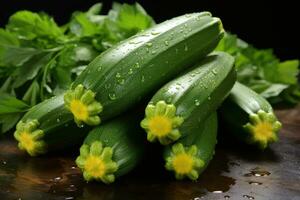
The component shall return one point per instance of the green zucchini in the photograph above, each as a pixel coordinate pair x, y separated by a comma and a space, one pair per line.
189, 99
120, 77
123, 75
56, 132
190, 156
111, 150
250, 116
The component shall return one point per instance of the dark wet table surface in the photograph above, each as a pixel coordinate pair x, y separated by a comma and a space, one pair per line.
236, 172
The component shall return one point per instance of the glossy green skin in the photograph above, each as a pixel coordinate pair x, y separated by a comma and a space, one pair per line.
126, 139
56, 122
201, 90
126, 73
241, 102
204, 136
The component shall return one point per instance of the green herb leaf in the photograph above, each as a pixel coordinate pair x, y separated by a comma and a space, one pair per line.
8, 121
262, 70
16, 56
30, 69
28, 25
287, 72
7, 38
10, 104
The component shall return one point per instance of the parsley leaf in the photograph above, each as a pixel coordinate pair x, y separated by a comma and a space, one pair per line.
262, 71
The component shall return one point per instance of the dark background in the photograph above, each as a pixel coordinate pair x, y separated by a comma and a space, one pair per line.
265, 24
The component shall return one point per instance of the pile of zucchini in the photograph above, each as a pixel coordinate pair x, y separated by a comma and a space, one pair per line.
163, 85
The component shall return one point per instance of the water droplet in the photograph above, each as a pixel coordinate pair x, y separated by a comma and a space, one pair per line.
153, 52
149, 44
257, 172
209, 98
226, 197
112, 96
186, 48
167, 62
121, 81
118, 75
187, 15
155, 32
57, 179
185, 25
137, 65
135, 42
99, 68
4, 162
197, 103
57, 120
143, 79
130, 71
167, 43
214, 71
69, 198
248, 196
254, 183
218, 191
81, 125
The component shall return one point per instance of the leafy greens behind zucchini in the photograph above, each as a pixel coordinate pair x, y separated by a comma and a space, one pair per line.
262, 71
39, 59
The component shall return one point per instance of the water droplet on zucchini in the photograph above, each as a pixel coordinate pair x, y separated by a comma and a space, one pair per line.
137, 65
214, 71
155, 32
121, 81
118, 75
130, 71
112, 96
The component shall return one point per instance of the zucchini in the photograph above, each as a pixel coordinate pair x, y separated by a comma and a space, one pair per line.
189, 99
123, 75
54, 133
250, 116
111, 150
190, 156
111, 82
